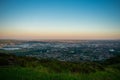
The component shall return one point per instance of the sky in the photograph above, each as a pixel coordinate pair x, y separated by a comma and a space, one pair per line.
59, 19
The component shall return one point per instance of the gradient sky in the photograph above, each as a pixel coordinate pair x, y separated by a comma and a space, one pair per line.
59, 19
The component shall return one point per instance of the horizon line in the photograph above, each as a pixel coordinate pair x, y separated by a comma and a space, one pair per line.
56, 39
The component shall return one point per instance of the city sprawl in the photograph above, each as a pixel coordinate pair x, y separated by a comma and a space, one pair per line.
63, 50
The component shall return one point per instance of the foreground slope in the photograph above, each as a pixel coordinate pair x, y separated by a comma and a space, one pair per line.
27, 68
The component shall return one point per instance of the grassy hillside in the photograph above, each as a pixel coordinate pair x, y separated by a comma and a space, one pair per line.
27, 68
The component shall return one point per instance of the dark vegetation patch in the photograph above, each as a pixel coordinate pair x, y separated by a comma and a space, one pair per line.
51, 64
28, 68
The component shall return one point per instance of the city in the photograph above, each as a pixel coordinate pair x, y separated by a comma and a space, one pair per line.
64, 50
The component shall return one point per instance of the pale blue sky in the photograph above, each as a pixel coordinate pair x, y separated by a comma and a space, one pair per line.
60, 19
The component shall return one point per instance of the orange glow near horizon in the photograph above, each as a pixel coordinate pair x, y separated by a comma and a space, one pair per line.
55, 35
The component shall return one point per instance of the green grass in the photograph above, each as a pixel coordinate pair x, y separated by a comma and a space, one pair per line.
27, 68
20, 73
